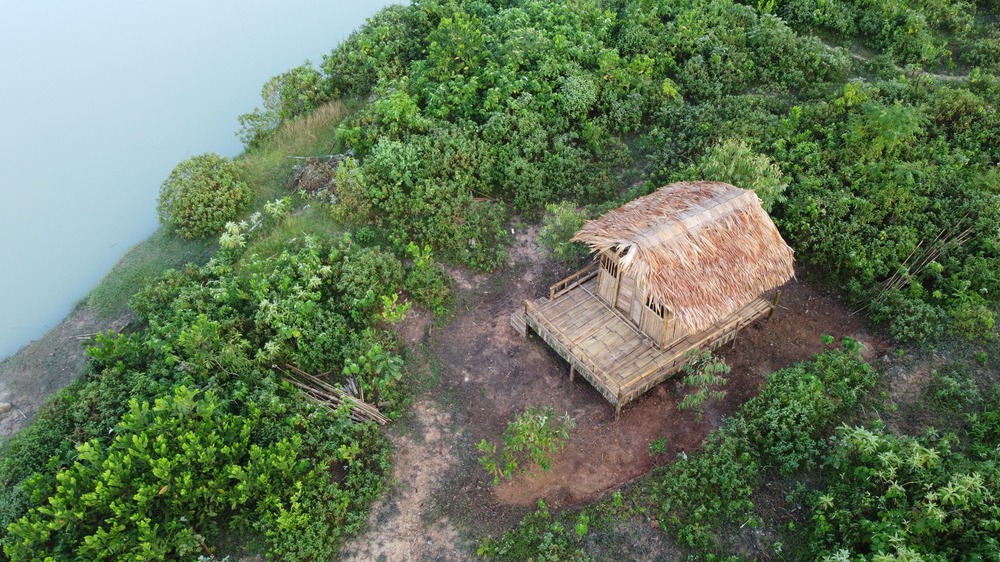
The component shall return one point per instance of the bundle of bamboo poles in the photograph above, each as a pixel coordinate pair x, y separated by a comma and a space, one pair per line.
331, 397
917, 261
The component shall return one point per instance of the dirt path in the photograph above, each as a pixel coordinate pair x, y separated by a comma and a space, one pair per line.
443, 499
402, 525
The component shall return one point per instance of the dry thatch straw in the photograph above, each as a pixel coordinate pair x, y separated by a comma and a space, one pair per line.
702, 249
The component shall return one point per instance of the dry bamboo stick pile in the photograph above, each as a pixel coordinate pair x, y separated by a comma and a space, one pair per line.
915, 262
331, 397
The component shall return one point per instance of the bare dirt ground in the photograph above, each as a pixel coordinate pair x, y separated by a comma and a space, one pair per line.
46, 365
488, 372
398, 527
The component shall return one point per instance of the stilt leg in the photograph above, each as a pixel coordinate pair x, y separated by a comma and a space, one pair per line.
777, 298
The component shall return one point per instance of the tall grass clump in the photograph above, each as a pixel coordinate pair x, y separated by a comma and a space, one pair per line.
268, 167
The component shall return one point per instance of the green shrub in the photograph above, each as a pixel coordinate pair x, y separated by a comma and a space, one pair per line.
702, 372
291, 94
537, 538
560, 223
351, 204
788, 422
710, 488
366, 274
380, 51
534, 435
973, 319
202, 194
734, 162
897, 495
427, 280
154, 492
910, 319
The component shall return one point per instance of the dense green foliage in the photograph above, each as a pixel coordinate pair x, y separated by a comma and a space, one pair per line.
790, 419
294, 474
909, 32
202, 194
908, 498
560, 223
155, 490
734, 162
286, 96
881, 178
713, 487
881, 175
785, 427
867, 494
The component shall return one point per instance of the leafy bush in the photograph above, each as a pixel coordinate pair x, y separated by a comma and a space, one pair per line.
538, 537
713, 487
891, 235
702, 372
426, 280
155, 490
224, 325
291, 94
905, 497
909, 318
910, 31
734, 162
534, 435
365, 274
380, 51
560, 223
788, 421
202, 194
700, 497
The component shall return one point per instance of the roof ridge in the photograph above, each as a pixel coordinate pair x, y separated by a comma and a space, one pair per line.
695, 217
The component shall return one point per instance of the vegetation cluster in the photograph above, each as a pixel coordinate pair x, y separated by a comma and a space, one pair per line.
184, 431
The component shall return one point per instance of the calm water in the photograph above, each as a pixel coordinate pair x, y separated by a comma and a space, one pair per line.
99, 101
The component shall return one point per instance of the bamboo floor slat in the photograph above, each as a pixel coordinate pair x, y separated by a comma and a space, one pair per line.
610, 353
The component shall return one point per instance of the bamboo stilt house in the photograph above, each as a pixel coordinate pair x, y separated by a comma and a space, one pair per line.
682, 268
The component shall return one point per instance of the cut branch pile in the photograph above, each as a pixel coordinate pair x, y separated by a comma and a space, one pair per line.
331, 397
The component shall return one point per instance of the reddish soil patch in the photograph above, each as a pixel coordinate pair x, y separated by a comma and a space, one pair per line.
488, 372
495, 372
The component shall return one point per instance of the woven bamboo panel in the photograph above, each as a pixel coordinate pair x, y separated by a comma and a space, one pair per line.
611, 353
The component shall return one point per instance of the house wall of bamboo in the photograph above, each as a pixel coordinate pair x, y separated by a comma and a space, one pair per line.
622, 292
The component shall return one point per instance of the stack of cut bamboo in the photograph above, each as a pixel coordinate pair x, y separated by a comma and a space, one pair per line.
331, 397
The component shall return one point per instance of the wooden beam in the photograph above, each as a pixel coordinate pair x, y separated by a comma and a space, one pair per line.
777, 297
572, 371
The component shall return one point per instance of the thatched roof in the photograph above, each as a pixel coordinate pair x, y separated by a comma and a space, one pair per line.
702, 249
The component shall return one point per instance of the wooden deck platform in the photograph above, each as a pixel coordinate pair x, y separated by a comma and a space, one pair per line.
607, 349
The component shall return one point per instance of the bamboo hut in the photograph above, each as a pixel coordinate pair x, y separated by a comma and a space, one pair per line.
682, 268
